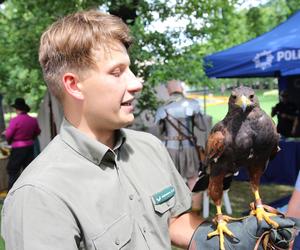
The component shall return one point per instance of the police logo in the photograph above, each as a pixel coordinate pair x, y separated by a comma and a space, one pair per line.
263, 60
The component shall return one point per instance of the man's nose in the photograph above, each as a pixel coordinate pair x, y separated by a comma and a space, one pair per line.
134, 83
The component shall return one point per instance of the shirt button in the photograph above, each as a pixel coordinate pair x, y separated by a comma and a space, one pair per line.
117, 241
131, 197
144, 230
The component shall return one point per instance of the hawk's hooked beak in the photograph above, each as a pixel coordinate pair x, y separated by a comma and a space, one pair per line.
243, 102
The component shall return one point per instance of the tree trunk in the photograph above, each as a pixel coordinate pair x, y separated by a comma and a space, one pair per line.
2, 122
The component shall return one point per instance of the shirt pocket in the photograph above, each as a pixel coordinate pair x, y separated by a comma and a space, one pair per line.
116, 236
164, 199
165, 206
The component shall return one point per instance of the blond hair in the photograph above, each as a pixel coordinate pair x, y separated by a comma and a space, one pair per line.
69, 43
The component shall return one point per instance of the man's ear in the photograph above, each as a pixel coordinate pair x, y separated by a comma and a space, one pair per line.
72, 85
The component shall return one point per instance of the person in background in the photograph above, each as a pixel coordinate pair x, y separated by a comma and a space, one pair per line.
96, 185
21, 134
177, 120
286, 112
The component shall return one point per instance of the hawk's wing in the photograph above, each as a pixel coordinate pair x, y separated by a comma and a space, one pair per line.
215, 145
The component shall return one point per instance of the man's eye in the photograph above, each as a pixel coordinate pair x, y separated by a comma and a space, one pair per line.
116, 73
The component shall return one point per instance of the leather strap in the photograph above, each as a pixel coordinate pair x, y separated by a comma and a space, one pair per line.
191, 137
267, 244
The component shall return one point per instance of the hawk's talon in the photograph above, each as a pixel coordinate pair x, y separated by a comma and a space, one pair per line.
261, 214
221, 229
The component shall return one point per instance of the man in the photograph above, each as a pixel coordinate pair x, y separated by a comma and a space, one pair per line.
96, 185
21, 134
177, 120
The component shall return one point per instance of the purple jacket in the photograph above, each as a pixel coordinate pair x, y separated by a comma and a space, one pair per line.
22, 131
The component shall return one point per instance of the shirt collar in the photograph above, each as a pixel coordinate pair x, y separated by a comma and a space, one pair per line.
89, 148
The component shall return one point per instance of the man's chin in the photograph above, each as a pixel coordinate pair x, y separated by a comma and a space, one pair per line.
128, 122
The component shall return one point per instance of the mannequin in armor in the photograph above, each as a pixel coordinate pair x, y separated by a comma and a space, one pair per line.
176, 120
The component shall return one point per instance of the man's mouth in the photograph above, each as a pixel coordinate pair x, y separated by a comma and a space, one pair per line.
127, 103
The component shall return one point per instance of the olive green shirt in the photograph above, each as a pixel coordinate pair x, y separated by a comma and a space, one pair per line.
78, 193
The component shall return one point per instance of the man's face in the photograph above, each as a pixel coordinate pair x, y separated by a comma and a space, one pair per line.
108, 92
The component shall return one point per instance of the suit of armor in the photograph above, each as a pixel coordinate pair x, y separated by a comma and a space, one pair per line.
184, 114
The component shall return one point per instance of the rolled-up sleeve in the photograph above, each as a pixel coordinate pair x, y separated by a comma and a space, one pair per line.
35, 219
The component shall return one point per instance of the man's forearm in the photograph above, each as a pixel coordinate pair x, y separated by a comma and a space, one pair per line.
182, 228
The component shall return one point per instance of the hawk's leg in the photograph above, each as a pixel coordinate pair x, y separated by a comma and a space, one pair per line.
258, 210
215, 189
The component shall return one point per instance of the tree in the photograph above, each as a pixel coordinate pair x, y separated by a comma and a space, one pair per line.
24, 21
156, 56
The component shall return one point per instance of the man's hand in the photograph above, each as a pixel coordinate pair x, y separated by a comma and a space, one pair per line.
247, 234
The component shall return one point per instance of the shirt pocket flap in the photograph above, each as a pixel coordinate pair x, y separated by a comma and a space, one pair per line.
165, 206
116, 236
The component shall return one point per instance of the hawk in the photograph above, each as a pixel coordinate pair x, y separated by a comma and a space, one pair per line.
246, 137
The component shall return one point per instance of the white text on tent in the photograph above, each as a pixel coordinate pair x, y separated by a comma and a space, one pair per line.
288, 55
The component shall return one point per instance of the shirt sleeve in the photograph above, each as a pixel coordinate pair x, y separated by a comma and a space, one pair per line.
34, 219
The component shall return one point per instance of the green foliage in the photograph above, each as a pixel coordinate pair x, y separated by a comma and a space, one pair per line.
147, 99
293, 5
23, 22
156, 56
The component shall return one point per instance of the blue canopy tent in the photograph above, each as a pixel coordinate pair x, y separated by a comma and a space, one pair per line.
273, 54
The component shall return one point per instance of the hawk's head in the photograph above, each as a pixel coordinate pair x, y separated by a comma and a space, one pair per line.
243, 98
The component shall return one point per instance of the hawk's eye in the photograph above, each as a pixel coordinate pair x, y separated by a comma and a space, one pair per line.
251, 96
233, 97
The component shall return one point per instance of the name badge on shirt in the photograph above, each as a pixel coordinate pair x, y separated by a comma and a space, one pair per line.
164, 195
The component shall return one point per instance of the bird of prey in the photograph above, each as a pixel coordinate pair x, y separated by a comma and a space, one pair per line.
245, 137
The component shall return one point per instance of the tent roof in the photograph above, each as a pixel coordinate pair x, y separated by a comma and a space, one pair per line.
275, 53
